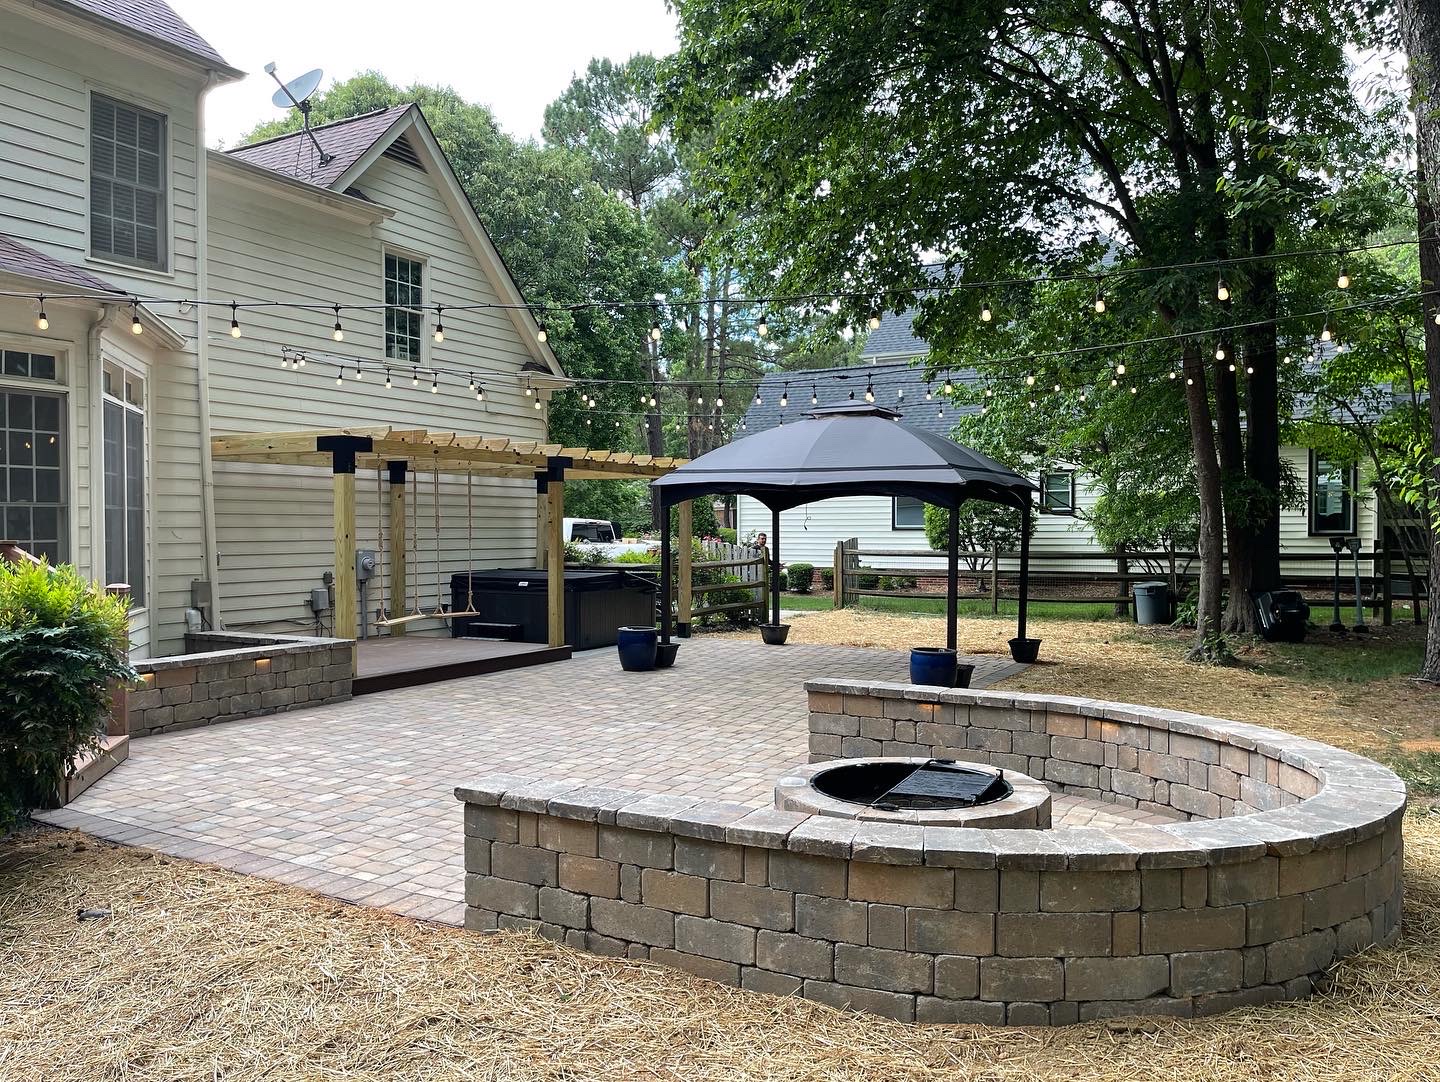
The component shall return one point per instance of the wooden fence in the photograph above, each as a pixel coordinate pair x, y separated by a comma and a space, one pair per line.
747, 563
984, 576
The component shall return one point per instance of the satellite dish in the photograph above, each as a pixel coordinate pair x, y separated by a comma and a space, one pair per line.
296, 94
297, 91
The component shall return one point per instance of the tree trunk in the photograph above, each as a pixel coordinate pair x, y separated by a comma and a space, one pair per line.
1420, 32
1239, 613
1208, 645
1262, 431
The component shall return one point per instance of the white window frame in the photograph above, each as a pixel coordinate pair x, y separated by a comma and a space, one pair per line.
895, 523
1045, 491
166, 247
1349, 495
423, 355
57, 388
139, 598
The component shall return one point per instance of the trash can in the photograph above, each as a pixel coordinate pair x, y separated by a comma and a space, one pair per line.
1282, 615
1152, 603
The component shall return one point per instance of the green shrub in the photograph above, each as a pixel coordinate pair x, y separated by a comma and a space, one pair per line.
827, 578
651, 556
798, 577
867, 580
577, 552
62, 639
727, 535
898, 582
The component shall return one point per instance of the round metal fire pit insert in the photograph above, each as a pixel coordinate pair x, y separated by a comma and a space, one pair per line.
930, 792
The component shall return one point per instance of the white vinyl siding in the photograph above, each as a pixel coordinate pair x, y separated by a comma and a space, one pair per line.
127, 183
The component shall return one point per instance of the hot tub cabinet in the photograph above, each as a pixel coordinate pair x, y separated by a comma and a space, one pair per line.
597, 604
1288, 858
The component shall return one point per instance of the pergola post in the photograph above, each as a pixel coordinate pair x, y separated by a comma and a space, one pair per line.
665, 618
399, 543
1024, 568
555, 575
342, 451
774, 565
685, 543
952, 577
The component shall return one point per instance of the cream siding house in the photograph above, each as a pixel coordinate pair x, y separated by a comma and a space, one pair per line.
106, 195
1062, 539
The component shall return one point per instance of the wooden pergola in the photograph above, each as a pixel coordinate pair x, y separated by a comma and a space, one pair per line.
402, 451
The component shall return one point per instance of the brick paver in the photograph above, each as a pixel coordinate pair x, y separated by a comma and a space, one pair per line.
355, 799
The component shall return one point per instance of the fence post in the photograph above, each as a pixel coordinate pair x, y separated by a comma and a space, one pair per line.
1122, 567
995, 579
837, 583
1387, 595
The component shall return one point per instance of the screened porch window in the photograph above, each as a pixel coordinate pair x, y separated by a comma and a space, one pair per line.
1332, 503
404, 294
124, 408
34, 510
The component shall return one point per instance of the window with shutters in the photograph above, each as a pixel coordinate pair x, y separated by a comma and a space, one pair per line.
127, 184
124, 408
404, 295
34, 503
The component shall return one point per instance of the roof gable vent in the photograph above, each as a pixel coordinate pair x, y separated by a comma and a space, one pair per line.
402, 151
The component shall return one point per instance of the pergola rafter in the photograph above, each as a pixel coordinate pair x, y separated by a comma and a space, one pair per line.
398, 452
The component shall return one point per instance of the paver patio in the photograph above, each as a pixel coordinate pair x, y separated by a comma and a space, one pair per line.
355, 800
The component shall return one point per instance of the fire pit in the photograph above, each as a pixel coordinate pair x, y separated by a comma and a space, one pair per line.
930, 792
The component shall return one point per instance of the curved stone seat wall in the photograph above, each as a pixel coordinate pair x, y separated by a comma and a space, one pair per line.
948, 924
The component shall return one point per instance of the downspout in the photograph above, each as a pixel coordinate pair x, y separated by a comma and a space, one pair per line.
202, 358
95, 381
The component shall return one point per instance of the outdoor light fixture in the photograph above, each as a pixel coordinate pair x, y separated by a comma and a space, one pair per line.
655, 331
42, 322
339, 332
1119, 369
986, 315
1222, 291
234, 321
1219, 353
949, 387
541, 333
439, 323
869, 392
785, 397
1099, 301
762, 328
434, 382
1325, 334
815, 397
135, 327
387, 379
874, 321
1342, 282
1337, 544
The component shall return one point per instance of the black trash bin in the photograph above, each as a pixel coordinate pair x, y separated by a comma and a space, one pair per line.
597, 604
1152, 603
1282, 615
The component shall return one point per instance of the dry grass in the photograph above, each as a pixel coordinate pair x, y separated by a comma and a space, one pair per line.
205, 974
1117, 660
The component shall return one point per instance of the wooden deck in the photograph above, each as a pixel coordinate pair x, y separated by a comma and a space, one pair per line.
384, 664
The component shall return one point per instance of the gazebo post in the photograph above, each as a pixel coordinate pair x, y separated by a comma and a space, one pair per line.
1024, 567
685, 546
952, 577
664, 567
555, 552
398, 542
774, 565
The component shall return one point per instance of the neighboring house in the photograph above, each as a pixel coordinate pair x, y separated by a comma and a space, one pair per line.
106, 192
892, 365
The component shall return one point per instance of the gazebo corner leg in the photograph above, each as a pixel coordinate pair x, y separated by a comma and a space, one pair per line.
774, 566
952, 579
1024, 592
665, 616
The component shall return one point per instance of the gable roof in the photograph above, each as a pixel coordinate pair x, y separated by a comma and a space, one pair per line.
347, 140
896, 335
356, 143
898, 387
24, 261
155, 21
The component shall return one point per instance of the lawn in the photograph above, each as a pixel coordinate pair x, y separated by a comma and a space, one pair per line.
201, 973
933, 606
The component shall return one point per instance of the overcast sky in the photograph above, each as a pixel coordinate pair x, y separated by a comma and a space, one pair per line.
514, 57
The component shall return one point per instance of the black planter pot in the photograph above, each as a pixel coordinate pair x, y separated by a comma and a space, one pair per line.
963, 673
665, 654
1025, 651
774, 634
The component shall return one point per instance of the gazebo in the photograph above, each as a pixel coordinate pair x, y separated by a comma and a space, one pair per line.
851, 449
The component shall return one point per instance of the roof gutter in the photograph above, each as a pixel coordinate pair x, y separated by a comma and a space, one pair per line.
271, 183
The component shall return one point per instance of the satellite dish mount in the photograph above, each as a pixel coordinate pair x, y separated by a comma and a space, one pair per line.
296, 95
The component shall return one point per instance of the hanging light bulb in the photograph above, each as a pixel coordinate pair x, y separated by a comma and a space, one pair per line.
414, 377
852, 396
758, 399
590, 402
1083, 396
1222, 291
42, 321
1189, 381
699, 399
985, 314
472, 381
651, 400
359, 374
1249, 370
928, 394
1325, 334
989, 392
339, 332
1099, 300
785, 397
1057, 388
387, 379
644, 395
439, 323
719, 402
1219, 353
1114, 383
528, 391
655, 331
301, 362
1343, 281
900, 395
1231, 366
135, 327
762, 328
949, 387
1133, 389
874, 321
537, 402
1437, 316
1030, 379
940, 413
434, 382
339, 376
234, 321
1171, 373
869, 392
1119, 369
540, 332
1032, 403
814, 396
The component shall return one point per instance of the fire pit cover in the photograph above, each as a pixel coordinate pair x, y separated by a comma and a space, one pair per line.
936, 783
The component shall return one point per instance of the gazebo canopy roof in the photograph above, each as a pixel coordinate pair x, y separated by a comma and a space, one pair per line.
853, 449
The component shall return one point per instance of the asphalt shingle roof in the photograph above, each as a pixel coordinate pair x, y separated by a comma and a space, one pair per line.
832, 386
152, 19
348, 140
21, 259
896, 335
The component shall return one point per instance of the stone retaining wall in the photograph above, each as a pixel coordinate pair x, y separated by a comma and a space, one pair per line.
950, 924
228, 676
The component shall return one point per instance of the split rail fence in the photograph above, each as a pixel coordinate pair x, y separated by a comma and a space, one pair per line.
746, 567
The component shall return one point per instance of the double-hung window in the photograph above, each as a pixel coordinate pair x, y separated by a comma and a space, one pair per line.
124, 409
404, 317
1332, 503
34, 509
127, 184
1057, 492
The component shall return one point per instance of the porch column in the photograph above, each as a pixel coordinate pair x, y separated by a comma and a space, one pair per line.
952, 577
774, 565
342, 451
399, 579
684, 601
1024, 567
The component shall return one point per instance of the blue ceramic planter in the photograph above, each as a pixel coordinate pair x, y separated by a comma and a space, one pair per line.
932, 665
637, 646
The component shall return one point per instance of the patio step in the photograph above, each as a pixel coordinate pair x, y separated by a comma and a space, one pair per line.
86, 771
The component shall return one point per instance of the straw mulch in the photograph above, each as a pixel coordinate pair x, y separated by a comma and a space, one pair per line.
1117, 660
204, 974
